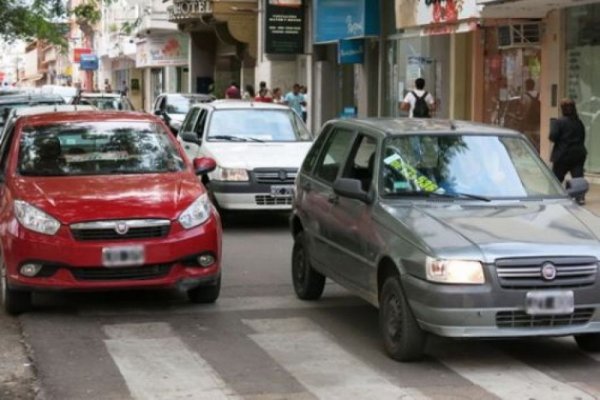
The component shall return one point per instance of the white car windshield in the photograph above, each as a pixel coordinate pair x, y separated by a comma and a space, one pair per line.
97, 148
478, 165
257, 125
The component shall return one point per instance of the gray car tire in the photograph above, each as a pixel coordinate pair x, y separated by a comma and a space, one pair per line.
308, 283
402, 337
15, 302
205, 294
589, 342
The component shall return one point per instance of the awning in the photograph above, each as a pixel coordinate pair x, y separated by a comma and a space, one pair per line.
525, 8
32, 78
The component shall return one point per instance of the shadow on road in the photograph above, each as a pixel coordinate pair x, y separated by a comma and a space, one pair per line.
254, 220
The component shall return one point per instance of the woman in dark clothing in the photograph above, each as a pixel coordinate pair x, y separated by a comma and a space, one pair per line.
568, 135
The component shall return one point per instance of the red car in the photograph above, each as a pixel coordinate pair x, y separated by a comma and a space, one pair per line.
103, 200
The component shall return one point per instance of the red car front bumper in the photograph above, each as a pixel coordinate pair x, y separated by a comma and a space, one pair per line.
77, 265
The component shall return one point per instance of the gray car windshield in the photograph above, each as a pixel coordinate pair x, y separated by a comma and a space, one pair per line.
97, 148
107, 103
465, 165
257, 125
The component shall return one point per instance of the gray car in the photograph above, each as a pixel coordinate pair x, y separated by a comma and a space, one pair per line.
450, 228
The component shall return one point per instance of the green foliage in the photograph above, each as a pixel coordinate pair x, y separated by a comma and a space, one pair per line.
22, 19
87, 13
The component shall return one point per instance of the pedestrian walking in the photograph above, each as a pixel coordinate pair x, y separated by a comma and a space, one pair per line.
418, 102
249, 93
531, 107
277, 96
124, 89
304, 91
295, 99
263, 96
263, 86
107, 86
569, 152
233, 91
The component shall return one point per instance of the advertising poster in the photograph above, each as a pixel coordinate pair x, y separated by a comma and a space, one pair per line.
284, 30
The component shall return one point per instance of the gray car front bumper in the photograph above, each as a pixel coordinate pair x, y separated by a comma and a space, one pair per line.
470, 311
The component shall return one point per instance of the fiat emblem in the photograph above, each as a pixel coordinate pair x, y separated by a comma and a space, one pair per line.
121, 228
548, 271
282, 175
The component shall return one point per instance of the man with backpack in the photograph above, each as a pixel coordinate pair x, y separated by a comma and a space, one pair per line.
418, 102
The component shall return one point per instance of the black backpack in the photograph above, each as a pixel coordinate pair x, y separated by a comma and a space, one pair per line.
421, 109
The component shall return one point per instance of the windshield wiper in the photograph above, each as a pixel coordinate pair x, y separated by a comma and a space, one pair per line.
229, 138
454, 195
253, 139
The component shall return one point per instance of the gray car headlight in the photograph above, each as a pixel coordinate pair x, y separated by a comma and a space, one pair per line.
197, 213
231, 174
454, 271
35, 219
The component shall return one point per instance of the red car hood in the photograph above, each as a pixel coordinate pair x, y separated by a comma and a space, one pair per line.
89, 198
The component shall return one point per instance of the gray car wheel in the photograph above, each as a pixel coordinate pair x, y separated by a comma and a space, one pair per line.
205, 294
589, 342
402, 337
15, 302
308, 283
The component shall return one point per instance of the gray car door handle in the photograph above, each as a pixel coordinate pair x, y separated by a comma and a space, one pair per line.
306, 186
333, 198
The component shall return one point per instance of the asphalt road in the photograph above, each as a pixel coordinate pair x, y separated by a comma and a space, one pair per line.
259, 342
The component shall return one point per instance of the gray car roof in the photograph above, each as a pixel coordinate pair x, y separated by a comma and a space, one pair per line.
396, 126
241, 104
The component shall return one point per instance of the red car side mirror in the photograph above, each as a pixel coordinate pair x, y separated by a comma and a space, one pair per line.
204, 165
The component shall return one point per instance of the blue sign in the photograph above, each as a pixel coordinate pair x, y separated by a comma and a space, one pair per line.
351, 51
88, 62
345, 19
348, 112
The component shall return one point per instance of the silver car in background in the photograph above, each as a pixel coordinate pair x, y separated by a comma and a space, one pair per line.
450, 228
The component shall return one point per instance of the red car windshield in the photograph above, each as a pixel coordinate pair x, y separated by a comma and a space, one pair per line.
97, 148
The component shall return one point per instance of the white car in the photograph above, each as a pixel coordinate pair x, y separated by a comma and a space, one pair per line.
258, 147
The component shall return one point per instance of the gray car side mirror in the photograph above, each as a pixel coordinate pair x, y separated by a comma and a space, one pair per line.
351, 188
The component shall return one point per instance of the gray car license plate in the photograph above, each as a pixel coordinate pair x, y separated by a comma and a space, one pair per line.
282, 191
122, 256
548, 302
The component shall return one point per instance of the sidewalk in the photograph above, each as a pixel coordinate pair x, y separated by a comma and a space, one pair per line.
592, 199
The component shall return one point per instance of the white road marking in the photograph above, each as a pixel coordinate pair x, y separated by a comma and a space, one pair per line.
509, 378
157, 365
225, 304
320, 364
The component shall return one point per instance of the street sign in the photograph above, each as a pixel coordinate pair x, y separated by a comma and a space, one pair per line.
88, 62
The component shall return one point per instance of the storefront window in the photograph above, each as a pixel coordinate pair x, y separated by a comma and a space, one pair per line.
410, 58
511, 79
582, 74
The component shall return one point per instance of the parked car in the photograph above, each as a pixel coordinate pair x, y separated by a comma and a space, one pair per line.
102, 201
173, 107
7, 103
104, 101
66, 92
258, 148
449, 228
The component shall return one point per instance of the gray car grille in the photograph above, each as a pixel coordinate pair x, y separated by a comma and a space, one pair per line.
275, 176
267, 200
526, 273
519, 319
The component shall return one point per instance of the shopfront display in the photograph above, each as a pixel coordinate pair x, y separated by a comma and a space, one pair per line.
582, 74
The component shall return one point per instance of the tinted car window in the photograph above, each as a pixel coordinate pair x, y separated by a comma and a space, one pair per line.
491, 166
188, 124
313, 154
97, 148
334, 153
107, 103
255, 124
361, 163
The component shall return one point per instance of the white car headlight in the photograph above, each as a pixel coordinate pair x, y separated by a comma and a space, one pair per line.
231, 174
454, 271
197, 213
35, 219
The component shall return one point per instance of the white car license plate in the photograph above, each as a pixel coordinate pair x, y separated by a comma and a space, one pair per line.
122, 256
282, 191
550, 302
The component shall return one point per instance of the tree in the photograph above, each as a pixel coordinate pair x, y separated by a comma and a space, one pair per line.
40, 19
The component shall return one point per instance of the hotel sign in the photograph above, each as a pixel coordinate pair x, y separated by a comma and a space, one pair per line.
183, 10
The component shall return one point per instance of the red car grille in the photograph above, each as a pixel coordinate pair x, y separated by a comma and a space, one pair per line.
111, 234
129, 273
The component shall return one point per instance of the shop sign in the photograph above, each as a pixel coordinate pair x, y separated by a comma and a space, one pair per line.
182, 10
77, 52
351, 51
123, 63
284, 30
88, 62
411, 13
162, 51
336, 20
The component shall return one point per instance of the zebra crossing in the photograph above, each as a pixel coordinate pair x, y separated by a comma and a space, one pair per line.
294, 353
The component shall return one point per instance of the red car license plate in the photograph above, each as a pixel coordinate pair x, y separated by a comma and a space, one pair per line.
122, 256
